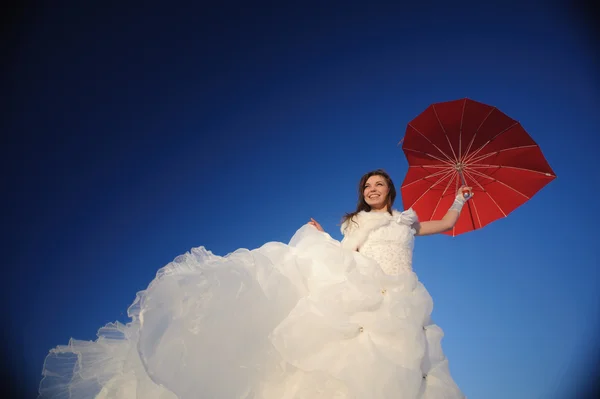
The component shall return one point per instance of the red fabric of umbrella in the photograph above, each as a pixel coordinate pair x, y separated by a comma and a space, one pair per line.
466, 142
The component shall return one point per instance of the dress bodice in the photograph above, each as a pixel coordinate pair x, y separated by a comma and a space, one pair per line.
387, 239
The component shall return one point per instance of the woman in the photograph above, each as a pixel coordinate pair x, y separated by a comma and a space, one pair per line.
317, 318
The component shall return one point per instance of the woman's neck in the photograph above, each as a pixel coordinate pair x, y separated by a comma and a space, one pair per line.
384, 209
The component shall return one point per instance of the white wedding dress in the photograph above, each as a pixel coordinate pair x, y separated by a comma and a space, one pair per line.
314, 319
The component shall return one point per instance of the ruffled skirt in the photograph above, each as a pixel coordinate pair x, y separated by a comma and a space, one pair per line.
305, 320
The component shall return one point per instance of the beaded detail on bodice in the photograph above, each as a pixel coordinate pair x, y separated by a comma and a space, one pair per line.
387, 239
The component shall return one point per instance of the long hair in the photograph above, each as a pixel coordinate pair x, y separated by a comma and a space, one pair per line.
362, 204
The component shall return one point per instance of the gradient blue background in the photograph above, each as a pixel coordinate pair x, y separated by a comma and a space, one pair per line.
138, 133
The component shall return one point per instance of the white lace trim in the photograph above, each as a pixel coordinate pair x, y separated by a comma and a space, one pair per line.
356, 231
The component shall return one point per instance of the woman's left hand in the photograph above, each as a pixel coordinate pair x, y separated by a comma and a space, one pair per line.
465, 192
316, 224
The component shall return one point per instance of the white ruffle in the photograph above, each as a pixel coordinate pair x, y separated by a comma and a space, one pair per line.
306, 320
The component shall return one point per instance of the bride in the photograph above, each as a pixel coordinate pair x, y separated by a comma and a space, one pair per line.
313, 319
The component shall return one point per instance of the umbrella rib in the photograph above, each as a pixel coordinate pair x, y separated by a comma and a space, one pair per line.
430, 142
444, 172
471, 156
462, 118
474, 180
478, 173
441, 196
489, 195
479, 158
495, 203
508, 167
477, 131
445, 134
496, 180
445, 161
430, 166
429, 188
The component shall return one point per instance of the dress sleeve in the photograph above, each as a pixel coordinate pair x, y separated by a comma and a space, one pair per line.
409, 218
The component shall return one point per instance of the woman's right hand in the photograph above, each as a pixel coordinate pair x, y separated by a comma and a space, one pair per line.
316, 224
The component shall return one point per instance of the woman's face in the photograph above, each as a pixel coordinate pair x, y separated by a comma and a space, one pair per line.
375, 192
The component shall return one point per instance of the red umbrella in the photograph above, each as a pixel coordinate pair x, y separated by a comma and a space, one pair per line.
466, 142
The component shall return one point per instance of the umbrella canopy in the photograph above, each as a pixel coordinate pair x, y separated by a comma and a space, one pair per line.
466, 142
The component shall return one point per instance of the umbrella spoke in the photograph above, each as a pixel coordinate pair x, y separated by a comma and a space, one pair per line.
478, 173
432, 166
474, 180
484, 166
460, 128
475, 172
444, 173
445, 134
432, 186
489, 195
482, 157
430, 142
495, 203
442, 196
477, 131
471, 156
444, 161
439, 172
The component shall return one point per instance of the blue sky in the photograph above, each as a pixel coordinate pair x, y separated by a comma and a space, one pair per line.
141, 133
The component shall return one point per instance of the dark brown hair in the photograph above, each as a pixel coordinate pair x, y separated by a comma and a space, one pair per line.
362, 204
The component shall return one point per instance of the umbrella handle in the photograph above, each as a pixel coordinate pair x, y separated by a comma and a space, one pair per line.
466, 194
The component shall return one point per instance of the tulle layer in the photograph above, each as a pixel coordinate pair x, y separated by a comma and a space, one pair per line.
304, 320
109, 367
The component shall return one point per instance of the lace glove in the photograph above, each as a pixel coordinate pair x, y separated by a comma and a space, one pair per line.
464, 194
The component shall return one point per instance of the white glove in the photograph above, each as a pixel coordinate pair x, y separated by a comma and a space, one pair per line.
461, 199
